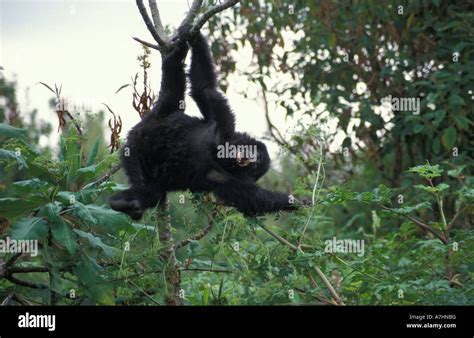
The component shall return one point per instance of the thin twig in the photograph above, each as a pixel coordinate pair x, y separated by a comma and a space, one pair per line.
318, 270
196, 236
279, 238
422, 225
149, 44
108, 174
460, 211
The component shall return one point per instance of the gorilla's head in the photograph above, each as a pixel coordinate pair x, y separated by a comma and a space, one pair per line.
242, 156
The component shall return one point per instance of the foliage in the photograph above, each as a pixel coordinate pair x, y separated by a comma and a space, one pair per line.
394, 202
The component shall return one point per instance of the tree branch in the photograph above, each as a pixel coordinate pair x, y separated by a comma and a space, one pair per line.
460, 211
25, 283
107, 176
149, 44
166, 44
155, 14
422, 225
149, 23
189, 18
168, 255
196, 236
318, 270
211, 12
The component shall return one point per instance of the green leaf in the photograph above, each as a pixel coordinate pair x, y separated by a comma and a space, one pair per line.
73, 155
88, 273
11, 132
467, 194
62, 232
111, 220
29, 228
433, 190
81, 212
461, 121
427, 171
29, 186
449, 138
67, 197
456, 172
87, 270
122, 87
205, 296
87, 173
93, 152
97, 242
418, 128
411, 208
47, 86
13, 207
10, 155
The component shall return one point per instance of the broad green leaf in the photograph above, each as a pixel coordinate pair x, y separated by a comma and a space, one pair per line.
11, 132
29, 228
462, 121
88, 273
97, 242
86, 173
108, 219
83, 213
29, 186
67, 197
13, 207
449, 138
93, 152
62, 232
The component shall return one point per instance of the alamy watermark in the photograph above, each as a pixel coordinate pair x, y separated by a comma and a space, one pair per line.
335, 245
9, 245
409, 104
241, 151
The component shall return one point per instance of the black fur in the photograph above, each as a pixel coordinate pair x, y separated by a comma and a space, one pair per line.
170, 151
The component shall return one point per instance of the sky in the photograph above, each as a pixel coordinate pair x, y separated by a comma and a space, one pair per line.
87, 47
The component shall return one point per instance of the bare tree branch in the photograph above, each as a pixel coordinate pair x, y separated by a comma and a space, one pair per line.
149, 44
155, 14
26, 283
211, 12
149, 23
423, 226
166, 44
28, 269
189, 18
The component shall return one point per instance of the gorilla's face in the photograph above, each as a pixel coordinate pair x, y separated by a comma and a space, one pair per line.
244, 157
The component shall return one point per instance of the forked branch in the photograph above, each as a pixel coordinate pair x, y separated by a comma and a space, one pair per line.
164, 43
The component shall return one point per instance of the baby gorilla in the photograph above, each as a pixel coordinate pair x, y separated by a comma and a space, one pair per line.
170, 151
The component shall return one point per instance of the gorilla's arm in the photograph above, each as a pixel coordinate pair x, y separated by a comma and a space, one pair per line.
173, 82
212, 104
251, 200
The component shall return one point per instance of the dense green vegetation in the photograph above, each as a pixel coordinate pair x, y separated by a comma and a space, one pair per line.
402, 182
